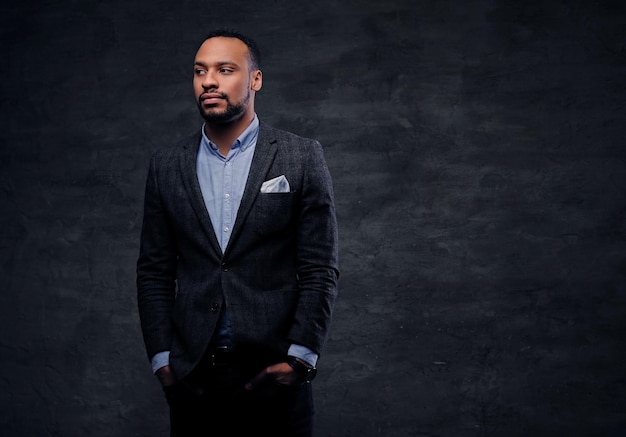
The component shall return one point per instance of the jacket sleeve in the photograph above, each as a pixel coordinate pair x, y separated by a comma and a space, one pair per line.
317, 254
156, 268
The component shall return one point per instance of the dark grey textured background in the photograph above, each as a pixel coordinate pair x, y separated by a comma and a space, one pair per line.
477, 149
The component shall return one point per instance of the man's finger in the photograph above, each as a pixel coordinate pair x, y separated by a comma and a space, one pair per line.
256, 380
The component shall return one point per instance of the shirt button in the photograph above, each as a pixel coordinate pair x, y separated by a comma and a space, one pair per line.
226, 229
226, 196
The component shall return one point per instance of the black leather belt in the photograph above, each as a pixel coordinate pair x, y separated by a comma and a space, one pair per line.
240, 356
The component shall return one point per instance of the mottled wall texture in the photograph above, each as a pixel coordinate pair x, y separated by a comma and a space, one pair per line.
478, 153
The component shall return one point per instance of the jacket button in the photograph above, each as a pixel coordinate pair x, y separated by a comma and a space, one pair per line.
224, 267
214, 307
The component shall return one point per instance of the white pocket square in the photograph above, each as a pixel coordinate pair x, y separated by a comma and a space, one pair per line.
276, 185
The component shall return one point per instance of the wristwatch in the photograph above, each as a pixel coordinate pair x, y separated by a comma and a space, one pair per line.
306, 372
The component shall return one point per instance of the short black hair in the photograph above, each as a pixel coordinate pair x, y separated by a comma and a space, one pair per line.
255, 53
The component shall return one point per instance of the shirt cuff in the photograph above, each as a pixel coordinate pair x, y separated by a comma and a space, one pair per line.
161, 359
304, 353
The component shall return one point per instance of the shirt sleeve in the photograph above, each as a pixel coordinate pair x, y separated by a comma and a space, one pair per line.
304, 353
161, 359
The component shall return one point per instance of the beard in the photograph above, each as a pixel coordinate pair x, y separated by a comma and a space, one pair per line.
231, 112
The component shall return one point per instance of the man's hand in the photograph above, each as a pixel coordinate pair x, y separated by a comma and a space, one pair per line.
166, 376
282, 373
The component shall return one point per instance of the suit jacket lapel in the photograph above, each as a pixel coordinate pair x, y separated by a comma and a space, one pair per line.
264, 153
192, 186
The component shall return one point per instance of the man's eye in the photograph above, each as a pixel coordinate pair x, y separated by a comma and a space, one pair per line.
226, 70
199, 71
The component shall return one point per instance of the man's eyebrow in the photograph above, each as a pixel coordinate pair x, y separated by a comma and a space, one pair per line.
219, 64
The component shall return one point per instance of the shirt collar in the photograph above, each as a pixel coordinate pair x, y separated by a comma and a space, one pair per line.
247, 138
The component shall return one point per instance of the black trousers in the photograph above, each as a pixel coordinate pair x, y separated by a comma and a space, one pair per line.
212, 400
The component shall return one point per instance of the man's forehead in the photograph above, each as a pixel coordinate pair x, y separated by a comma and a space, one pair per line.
223, 46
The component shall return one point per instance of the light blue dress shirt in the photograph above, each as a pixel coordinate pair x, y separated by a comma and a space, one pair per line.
222, 182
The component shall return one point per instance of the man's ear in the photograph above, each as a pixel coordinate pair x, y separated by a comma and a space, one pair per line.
257, 80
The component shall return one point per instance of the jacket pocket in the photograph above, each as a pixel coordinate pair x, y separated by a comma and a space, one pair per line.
273, 212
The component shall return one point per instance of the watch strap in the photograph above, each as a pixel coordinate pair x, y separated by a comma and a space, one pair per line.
306, 372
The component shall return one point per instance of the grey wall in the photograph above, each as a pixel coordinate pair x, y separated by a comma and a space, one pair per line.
477, 150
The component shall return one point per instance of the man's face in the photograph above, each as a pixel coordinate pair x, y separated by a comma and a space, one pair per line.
223, 84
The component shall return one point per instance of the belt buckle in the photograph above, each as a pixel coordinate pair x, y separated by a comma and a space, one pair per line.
218, 356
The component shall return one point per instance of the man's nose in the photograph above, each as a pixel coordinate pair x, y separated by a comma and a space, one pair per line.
209, 80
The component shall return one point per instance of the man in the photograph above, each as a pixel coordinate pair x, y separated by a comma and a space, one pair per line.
237, 272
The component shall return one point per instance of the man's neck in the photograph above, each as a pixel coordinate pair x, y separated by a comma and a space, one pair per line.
223, 135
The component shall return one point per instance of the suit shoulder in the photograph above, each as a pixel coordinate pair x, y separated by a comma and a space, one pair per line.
288, 138
182, 145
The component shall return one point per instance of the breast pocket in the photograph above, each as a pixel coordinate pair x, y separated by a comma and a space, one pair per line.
273, 212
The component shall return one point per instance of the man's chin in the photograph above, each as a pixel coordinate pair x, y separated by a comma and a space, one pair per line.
220, 117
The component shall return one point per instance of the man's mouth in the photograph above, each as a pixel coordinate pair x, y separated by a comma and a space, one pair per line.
211, 98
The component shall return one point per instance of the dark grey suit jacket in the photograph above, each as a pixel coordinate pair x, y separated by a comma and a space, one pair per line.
278, 275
